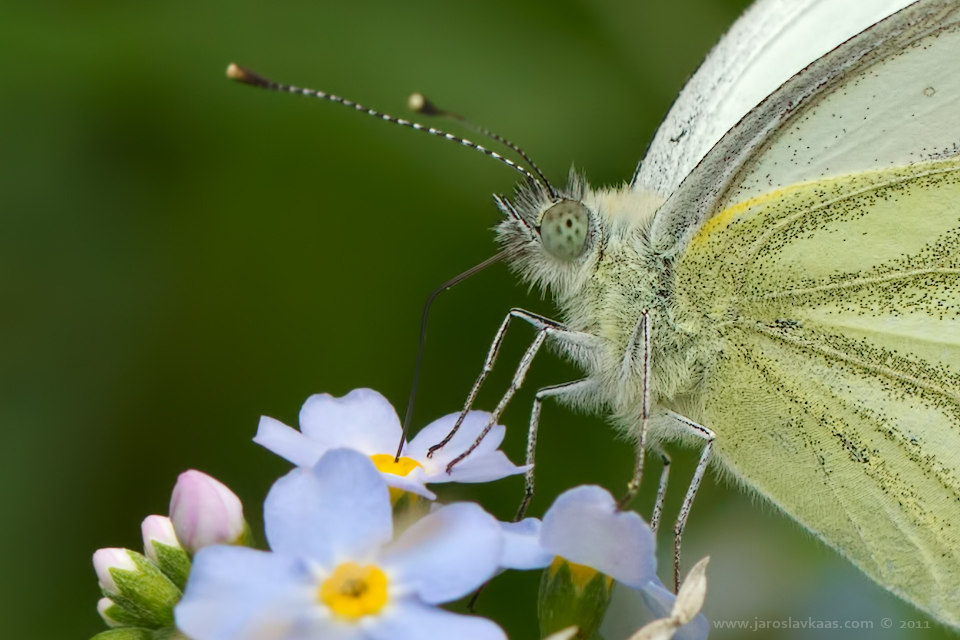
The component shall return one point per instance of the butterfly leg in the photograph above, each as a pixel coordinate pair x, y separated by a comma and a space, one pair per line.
708, 437
567, 339
661, 492
637, 356
492, 354
636, 359
518, 377
568, 390
570, 340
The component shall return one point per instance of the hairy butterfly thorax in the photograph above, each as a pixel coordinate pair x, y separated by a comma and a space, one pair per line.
590, 249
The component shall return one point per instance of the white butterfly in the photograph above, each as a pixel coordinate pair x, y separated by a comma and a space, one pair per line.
783, 283
780, 283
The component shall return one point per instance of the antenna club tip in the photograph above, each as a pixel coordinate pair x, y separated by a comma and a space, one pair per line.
235, 72
418, 103
241, 74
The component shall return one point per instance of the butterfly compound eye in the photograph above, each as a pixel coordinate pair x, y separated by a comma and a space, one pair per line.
563, 229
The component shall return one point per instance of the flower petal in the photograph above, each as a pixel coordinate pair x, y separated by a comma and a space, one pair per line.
412, 482
484, 467
413, 620
473, 424
340, 508
521, 545
447, 554
288, 443
659, 600
235, 593
363, 420
584, 526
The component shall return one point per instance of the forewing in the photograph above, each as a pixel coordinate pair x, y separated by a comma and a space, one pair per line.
773, 40
831, 315
888, 97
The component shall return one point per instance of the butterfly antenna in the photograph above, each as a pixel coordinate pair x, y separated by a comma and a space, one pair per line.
421, 104
423, 336
238, 73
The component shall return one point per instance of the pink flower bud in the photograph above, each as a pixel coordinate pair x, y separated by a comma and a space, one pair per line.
205, 512
102, 606
159, 529
106, 559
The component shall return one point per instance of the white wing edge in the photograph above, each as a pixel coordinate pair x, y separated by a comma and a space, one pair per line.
765, 47
693, 202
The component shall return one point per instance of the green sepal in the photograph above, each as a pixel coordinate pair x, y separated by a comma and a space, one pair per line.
134, 633
246, 538
169, 633
125, 633
565, 602
145, 592
174, 562
125, 617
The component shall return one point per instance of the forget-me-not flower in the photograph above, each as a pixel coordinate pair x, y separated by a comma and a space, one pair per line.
585, 529
334, 570
365, 421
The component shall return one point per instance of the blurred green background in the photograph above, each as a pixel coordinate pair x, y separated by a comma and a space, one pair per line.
180, 254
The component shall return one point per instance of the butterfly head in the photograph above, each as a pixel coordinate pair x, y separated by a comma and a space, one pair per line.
550, 240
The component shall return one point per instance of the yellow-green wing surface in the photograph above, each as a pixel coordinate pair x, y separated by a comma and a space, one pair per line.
834, 310
818, 276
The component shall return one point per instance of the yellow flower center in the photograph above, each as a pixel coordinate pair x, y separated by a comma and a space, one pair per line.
387, 463
354, 591
580, 574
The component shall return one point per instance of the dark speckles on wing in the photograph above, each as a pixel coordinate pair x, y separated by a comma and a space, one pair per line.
836, 306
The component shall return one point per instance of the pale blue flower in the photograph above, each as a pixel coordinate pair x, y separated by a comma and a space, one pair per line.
335, 572
365, 421
584, 526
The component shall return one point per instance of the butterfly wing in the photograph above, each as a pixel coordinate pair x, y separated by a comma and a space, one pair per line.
820, 270
886, 98
773, 40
